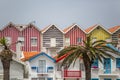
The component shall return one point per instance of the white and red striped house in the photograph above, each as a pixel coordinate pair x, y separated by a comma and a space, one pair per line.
28, 34
31, 37
74, 35
11, 33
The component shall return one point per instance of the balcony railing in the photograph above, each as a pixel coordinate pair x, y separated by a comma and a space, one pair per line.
76, 74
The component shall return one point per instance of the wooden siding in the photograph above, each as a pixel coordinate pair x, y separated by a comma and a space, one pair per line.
75, 33
100, 34
27, 34
115, 37
53, 32
13, 33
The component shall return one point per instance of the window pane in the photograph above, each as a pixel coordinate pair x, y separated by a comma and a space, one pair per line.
95, 64
67, 41
117, 62
8, 40
42, 66
53, 42
34, 41
22, 40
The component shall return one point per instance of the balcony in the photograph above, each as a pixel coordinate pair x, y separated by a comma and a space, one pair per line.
71, 74
108, 73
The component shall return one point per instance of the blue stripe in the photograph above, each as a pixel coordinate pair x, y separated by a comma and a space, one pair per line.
42, 54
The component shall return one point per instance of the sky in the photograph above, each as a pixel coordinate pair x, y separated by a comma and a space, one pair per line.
62, 13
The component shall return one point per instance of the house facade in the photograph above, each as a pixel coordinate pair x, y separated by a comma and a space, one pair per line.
98, 32
115, 35
74, 35
108, 70
52, 40
41, 66
11, 33
40, 51
16, 70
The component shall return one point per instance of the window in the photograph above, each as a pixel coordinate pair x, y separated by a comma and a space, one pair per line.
67, 41
59, 68
82, 68
108, 39
117, 62
53, 42
95, 64
34, 68
49, 78
94, 39
33, 41
118, 35
22, 40
79, 40
50, 69
42, 66
8, 40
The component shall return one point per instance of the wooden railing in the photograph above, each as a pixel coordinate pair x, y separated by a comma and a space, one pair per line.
68, 73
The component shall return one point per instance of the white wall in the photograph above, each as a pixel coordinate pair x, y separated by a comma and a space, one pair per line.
16, 70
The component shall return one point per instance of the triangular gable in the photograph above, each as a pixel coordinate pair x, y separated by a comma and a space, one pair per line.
9, 24
46, 28
114, 29
30, 24
90, 29
70, 27
42, 54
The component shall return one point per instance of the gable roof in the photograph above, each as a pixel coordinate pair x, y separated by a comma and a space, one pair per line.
46, 28
22, 27
114, 29
28, 55
90, 29
10, 24
42, 54
70, 27
32, 55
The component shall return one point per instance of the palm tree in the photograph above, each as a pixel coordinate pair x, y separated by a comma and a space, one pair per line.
6, 57
89, 52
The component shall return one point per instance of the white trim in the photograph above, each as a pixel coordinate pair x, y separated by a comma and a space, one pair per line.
8, 26
115, 30
74, 26
101, 27
50, 27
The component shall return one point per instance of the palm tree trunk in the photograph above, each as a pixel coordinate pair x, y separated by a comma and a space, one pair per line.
6, 69
87, 65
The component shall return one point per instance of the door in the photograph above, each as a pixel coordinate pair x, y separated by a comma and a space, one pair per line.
42, 66
107, 66
49, 78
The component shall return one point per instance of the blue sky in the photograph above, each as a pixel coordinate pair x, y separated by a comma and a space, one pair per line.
62, 13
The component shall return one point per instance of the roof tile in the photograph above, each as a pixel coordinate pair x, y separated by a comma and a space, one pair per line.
113, 29
28, 55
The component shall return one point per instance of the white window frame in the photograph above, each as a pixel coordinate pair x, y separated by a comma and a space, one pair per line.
94, 39
53, 42
67, 41
22, 40
79, 40
33, 43
42, 66
9, 40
